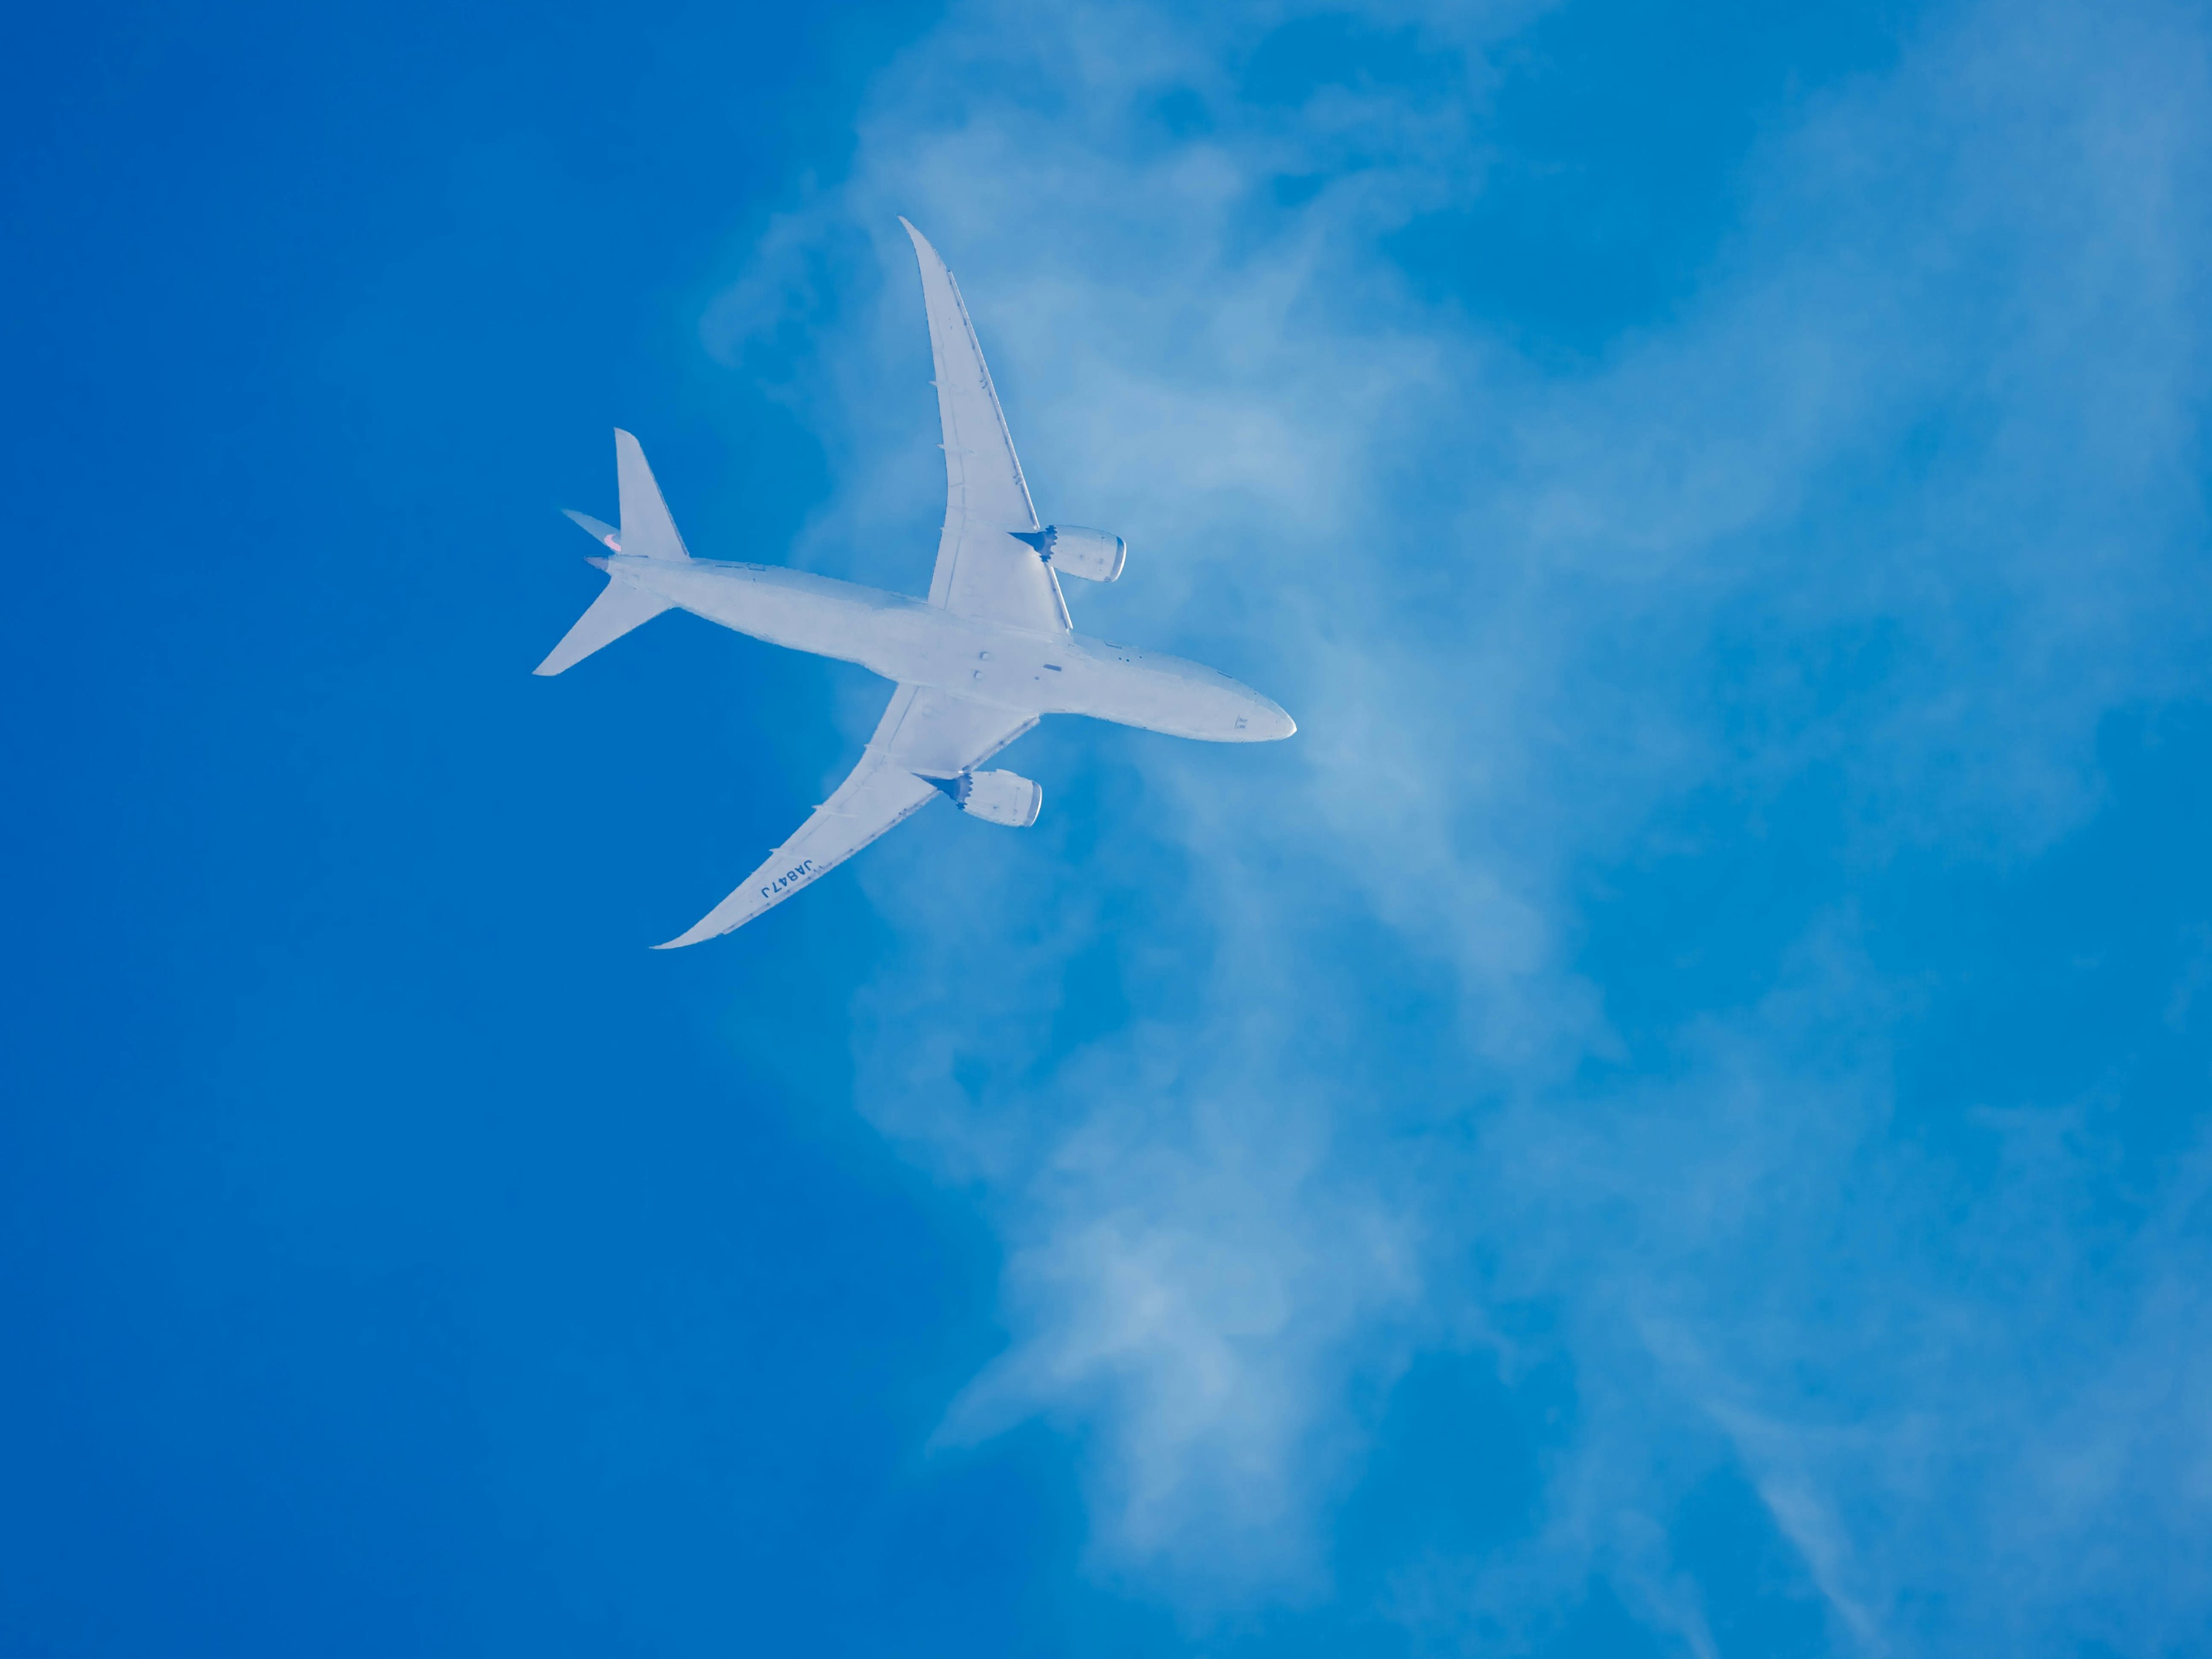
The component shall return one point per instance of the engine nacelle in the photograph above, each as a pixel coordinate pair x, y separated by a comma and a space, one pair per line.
1090, 554
1005, 798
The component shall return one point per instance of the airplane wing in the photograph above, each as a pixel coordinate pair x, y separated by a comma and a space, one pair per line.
981, 570
924, 734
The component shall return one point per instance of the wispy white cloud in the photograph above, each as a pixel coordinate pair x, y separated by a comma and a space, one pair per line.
1937, 400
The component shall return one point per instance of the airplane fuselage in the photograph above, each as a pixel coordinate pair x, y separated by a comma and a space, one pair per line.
911, 642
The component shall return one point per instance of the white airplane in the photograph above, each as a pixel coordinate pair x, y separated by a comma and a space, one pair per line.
989, 653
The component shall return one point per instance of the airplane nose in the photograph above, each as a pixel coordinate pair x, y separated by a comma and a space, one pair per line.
1269, 722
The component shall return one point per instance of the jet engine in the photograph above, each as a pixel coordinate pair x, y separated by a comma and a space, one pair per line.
1090, 554
1005, 798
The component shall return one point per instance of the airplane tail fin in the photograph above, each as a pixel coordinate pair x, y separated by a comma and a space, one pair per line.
648, 531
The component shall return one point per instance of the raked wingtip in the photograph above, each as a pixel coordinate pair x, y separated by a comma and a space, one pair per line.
707, 927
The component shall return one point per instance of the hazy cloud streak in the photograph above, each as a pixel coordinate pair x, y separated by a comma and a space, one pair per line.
1934, 410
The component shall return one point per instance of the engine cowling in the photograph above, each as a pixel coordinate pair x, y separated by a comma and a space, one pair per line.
1005, 798
1093, 555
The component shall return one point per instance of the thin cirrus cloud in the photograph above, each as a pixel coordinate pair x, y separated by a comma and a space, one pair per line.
1293, 1067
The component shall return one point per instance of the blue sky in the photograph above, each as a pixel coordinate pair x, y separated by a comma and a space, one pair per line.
1670, 1120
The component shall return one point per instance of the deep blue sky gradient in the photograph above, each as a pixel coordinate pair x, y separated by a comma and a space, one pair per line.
395, 1256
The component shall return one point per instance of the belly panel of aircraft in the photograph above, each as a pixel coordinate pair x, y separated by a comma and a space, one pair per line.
916, 643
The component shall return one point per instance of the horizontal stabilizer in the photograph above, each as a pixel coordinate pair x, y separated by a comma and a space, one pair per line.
598, 532
617, 609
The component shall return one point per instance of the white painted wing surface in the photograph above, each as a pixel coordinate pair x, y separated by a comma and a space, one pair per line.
981, 570
925, 734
